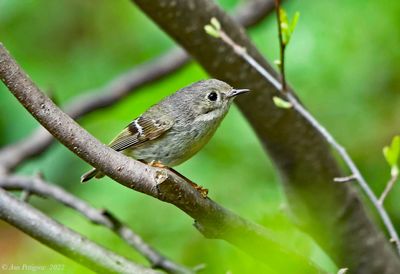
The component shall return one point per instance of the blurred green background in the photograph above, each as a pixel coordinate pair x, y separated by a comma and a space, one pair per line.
343, 60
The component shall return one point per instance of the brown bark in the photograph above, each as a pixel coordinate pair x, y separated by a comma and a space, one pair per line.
33, 145
103, 217
332, 213
211, 219
64, 240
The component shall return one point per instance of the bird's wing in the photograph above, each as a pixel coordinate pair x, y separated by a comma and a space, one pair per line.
141, 130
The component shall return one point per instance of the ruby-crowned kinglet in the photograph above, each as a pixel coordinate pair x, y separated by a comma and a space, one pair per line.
176, 128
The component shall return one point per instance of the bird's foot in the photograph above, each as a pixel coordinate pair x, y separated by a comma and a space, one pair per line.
157, 164
203, 191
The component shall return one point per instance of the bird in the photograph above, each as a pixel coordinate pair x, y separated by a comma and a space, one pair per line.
176, 128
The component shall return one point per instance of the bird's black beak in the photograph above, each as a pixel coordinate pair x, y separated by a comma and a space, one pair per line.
236, 92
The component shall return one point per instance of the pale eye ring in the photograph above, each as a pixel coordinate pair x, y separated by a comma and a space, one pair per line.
212, 96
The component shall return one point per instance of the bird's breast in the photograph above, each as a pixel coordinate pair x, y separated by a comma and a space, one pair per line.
177, 145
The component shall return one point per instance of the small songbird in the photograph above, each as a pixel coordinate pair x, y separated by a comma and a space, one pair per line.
176, 128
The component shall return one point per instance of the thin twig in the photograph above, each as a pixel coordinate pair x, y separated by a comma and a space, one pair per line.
118, 88
212, 220
64, 240
25, 195
282, 45
389, 186
100, 217
344, 179
323, 131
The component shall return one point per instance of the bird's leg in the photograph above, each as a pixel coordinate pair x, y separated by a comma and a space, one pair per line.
203, 191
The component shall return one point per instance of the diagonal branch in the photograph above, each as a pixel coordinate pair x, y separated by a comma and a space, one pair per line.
123, 85
356, 174
101, 217
13, 155
333, 215
211, 219
63, 239
393, 178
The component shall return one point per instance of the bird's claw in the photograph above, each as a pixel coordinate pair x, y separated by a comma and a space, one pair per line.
201, 190
157, 164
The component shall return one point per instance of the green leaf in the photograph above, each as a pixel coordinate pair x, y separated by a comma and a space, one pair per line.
295, 19
284, 24
387, 154
394, 171
286, 27
210, 30
392, 152
280, 103
277, 62
283, 15
215, 23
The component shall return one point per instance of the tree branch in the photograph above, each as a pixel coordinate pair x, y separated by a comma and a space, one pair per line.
211, 219
11, 156
64, 240
393, 178
321, 129
333, 214
92, 100
100, 217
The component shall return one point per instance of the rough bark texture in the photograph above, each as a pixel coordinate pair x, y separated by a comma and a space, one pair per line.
64, 240
37, 186
212, 220
120, 87
332, 213
33, 145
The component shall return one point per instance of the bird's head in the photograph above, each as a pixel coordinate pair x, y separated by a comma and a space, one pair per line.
210, 99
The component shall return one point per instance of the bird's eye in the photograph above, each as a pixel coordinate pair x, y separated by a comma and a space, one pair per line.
212, 96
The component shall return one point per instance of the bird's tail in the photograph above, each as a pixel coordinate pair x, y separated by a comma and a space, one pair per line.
90, 174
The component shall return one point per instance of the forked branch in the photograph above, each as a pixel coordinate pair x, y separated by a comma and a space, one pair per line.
211, 219
37, 186
118, 88
356, 174
64, 240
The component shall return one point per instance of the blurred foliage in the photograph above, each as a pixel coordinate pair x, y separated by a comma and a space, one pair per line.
343, 61
392, 154
287, 25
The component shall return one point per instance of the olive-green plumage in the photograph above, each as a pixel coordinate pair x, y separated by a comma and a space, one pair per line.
176, 128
